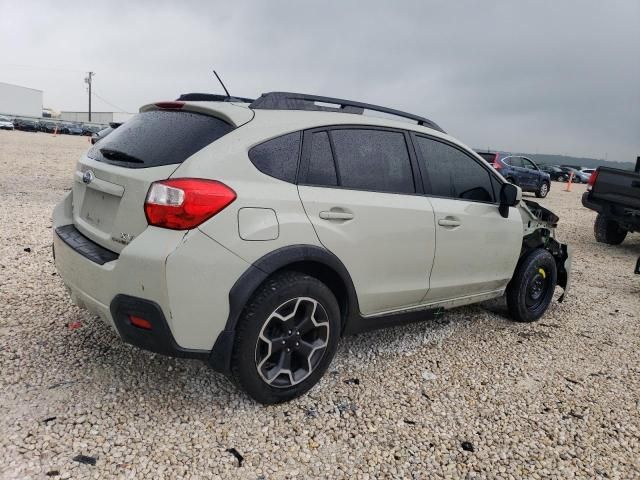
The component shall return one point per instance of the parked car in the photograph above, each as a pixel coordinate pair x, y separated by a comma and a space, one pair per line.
255, 235
90, 129
72, 129
42, 124
588, 171
104, 132
62, 127
520, 171
556, 173
615, 195
578, 176
25, 125
6, 123
48, 126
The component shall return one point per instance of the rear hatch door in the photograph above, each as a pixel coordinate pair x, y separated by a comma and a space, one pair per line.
113, 178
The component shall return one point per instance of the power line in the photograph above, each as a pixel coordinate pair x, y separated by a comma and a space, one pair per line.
88, 81
95, 94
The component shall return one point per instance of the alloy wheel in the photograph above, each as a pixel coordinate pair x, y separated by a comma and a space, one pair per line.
543, 190
292, 341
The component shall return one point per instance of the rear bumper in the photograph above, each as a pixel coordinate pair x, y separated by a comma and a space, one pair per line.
179, 280
158, 338
588, 203
628, 217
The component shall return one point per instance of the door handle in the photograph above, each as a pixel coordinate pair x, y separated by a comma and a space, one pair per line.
336, 215
449, 222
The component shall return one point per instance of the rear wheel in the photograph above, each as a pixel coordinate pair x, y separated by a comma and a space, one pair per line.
286, 338
543, 190
607, 230
530, 291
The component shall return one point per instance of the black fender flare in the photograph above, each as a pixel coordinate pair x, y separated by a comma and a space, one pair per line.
257, 273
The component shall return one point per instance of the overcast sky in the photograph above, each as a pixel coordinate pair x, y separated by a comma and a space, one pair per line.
539, 76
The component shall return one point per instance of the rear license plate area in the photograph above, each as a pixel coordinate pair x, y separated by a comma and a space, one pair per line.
99, 209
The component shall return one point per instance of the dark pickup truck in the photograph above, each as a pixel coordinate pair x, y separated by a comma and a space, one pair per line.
615, 195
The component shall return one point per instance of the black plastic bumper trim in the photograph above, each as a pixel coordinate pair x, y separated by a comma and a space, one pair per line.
159, 339
70, 235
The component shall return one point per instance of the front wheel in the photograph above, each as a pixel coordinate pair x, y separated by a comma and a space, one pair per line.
543, 190
530, 291
286, 338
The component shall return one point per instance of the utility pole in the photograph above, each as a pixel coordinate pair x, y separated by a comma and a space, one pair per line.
87, 80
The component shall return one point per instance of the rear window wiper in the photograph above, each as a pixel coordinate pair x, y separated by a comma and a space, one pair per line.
118, 156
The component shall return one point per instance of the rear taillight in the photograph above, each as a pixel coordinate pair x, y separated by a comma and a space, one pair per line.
184, 203
592, 179
496, 165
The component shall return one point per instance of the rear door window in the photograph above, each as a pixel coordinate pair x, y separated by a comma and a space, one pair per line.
516, 162
375, 160
159, 137
322, 170
452, 173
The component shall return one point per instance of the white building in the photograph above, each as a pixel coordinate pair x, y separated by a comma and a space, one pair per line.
96, 117
20, 101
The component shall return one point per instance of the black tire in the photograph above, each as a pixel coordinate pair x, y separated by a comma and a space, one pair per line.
530, 291
543, 190
278, 292
512, 180
607, 230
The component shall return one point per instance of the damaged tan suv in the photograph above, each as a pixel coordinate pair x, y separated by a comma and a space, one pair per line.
254, 234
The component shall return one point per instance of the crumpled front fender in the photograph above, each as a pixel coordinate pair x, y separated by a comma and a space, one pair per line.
539, 226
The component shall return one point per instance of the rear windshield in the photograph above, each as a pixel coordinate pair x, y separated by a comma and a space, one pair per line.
159, 137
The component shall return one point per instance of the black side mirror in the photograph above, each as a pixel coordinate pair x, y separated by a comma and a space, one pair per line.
508, 198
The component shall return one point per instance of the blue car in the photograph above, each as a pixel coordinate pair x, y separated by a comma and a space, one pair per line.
520, 171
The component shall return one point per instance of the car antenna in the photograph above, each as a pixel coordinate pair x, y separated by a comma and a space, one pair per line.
220, 80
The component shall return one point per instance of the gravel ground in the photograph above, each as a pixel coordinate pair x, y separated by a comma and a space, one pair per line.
472, 395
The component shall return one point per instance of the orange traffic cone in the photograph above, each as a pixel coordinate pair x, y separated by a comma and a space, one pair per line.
569, 183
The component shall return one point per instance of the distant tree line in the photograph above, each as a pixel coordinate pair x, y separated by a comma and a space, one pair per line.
582, 162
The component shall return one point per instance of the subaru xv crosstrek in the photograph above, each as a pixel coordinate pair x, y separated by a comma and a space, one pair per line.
255, 235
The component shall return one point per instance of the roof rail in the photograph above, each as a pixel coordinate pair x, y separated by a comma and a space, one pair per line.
211, 97
302, 101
